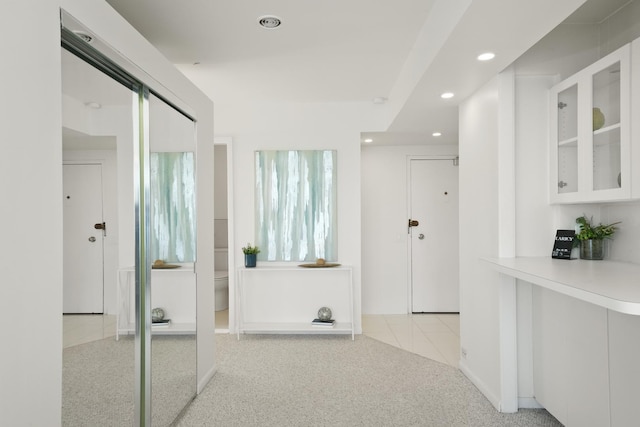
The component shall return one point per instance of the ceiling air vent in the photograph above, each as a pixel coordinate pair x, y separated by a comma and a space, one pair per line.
269, 22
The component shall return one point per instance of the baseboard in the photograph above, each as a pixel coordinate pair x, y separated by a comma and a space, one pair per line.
205, 380
529, 403
492, 398
523, 402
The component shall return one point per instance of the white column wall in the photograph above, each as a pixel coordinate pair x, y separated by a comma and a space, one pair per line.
31, 214
479, 231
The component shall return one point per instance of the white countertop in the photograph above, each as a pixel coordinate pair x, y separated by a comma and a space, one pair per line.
609, 284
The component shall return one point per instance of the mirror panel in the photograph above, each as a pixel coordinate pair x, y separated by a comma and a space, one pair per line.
173, 253
127, 367
98, 133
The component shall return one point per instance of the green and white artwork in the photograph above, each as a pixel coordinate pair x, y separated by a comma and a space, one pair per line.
296, 218
173, 207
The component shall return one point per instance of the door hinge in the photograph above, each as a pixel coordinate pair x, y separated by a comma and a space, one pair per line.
412, 223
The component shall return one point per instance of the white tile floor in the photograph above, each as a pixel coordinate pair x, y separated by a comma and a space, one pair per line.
436, 336
84, 328
222, 322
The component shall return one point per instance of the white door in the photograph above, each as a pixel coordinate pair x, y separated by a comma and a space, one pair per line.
434, 240
83, 243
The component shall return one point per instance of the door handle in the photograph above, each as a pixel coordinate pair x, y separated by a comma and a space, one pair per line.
421, 236
101, 226
92, 239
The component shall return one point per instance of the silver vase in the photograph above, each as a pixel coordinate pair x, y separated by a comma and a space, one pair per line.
592, 249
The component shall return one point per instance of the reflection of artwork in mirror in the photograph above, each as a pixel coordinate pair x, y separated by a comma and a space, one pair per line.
173, 207
296, 215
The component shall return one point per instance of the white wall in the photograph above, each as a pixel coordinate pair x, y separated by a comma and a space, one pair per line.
385, 256
31, 214
561, 53
31, 186
281, 126
479, 238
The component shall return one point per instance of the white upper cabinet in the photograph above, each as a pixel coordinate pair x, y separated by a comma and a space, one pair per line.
591, 133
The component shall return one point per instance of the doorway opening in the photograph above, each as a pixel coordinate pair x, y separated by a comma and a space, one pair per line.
223, 236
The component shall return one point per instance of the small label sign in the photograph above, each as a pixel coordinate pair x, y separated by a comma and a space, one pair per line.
563, 244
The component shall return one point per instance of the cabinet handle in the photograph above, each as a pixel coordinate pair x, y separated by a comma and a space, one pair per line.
562, 184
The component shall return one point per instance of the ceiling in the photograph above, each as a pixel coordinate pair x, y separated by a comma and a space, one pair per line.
406, 52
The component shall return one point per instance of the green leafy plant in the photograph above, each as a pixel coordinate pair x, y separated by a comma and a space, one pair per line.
248, 250
598, 232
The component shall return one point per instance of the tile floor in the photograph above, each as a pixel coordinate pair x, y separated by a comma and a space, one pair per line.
84, 328
436, 336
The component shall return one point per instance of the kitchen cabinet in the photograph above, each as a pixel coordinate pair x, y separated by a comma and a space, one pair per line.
585, 337
590, 129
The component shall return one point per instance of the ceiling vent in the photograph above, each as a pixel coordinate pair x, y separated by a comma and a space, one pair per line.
269, 22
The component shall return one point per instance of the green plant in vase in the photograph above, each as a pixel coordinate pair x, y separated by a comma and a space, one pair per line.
592, 237
250, 255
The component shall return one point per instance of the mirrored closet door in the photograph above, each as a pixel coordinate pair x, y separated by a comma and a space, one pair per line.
137, 153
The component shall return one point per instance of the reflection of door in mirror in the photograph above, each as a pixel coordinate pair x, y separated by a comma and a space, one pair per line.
173, 246
97, 137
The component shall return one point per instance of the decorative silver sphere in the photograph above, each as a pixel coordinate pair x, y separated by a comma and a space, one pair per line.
324, 313
157, 314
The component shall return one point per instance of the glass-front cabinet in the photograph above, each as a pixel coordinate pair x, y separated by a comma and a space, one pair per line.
590, 133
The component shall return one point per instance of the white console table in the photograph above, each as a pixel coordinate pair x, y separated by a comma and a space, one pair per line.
174, 290
285, 299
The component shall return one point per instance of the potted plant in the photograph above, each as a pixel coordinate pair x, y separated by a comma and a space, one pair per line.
592, 237
250, 255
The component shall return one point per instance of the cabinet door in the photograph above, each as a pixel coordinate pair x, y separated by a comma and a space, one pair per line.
566, 136
590, 133
609, 137
570, 359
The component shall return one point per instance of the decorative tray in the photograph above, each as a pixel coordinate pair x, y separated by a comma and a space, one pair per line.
165, 266
314, 265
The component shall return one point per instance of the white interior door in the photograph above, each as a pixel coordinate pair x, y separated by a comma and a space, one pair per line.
434, 240
83, 243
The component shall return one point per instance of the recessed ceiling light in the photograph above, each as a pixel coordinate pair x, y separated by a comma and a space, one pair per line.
379, 100
486, 56
368, 140
269, 22
437, 134
94, 105
447, 95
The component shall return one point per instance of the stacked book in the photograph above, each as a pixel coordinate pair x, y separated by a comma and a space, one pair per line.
323, 323
162, 322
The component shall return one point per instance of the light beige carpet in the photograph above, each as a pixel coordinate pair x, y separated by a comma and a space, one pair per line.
98, 381
281, 380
